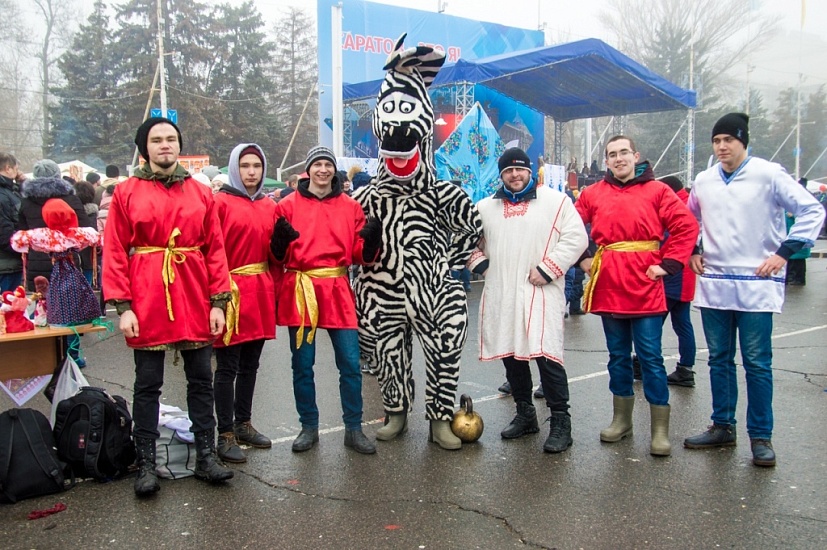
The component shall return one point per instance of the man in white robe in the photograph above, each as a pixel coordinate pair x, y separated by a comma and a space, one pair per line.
531, 236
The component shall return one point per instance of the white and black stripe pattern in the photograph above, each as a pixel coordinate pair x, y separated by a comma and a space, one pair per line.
428, 227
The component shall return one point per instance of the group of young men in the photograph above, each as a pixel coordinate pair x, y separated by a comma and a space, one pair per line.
188, 272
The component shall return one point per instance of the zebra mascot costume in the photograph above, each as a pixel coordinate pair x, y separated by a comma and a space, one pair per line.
428, 227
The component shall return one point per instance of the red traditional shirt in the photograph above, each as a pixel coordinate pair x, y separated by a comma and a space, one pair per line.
640, 211
143, 217
328, 237
247, 226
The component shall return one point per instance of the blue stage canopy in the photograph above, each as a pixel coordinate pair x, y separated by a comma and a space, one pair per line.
583, 79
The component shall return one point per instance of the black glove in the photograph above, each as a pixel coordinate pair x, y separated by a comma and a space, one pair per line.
283, 235
372, 235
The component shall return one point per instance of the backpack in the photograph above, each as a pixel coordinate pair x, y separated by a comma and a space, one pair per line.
29, 465
93, 431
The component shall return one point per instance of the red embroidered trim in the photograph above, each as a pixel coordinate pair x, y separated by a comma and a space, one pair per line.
553, 267
477, 254
519, 209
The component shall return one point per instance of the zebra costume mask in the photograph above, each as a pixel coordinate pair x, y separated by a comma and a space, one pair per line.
403, 119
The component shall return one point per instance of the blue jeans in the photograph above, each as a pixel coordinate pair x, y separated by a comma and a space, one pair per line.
463, 275
682, 325
646, 333
574, 285
10, 281
754, 332
346, 349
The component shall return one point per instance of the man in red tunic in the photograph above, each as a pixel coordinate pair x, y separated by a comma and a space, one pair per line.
629, 213
320, 232
166, 274
247, 217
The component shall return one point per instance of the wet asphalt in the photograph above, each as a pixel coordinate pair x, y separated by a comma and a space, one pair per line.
490, 494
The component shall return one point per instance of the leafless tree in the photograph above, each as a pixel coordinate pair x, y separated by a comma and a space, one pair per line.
58, 18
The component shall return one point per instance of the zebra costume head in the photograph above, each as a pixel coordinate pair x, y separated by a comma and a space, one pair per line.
403, 119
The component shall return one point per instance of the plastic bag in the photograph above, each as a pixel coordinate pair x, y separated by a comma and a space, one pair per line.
70, 381
175, 451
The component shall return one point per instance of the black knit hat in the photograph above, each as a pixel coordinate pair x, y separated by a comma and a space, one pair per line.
143, 133
514, 158
93, 177
735, 125
317, 153
112, 171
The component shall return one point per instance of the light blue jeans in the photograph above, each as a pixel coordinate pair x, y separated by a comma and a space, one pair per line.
754, 331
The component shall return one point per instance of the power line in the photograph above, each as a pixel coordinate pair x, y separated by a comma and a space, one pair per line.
78, 99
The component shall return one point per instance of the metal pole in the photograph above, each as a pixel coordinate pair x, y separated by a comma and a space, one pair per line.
338, 122
782, 144
161, 69
295, 131
671, 141
146, 112
816, 162
798, 130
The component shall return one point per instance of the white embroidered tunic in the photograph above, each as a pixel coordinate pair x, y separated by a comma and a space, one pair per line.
517, 318
742, 224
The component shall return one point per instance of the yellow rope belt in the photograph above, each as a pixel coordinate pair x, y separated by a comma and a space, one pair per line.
172, 254
306, 297
234, 305
622, 246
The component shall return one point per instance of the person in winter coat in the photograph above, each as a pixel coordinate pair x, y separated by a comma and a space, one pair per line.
247, 218
86, 192
680, 291
11, 264
630, 213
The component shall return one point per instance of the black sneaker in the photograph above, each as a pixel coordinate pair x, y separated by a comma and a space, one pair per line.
717, 435
505, 388
683, 376
762, 453
538, 393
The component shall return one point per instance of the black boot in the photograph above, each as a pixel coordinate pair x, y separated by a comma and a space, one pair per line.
559, 435
524, 423
207, 466
683, 376
147, 481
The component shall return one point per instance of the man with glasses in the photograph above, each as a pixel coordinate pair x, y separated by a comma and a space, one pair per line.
741, 202
629, 213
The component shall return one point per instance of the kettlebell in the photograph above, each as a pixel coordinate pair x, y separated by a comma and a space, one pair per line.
466, 424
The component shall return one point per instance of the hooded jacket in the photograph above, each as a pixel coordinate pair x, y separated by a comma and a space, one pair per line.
10, 261
247, 224
35, 193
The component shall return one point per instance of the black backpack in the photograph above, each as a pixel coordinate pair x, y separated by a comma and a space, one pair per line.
29, 466
93, 431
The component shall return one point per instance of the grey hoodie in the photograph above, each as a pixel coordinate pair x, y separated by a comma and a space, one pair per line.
235, 174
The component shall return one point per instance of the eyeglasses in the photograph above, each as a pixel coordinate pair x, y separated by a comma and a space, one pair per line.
622, 153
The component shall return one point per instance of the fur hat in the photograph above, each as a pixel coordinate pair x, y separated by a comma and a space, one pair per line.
735, 125
46, 168
143, 133
318, 153
514, 158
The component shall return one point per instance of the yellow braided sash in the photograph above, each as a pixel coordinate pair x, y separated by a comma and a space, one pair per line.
622, 246
172, 254
234, 305
306, 297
